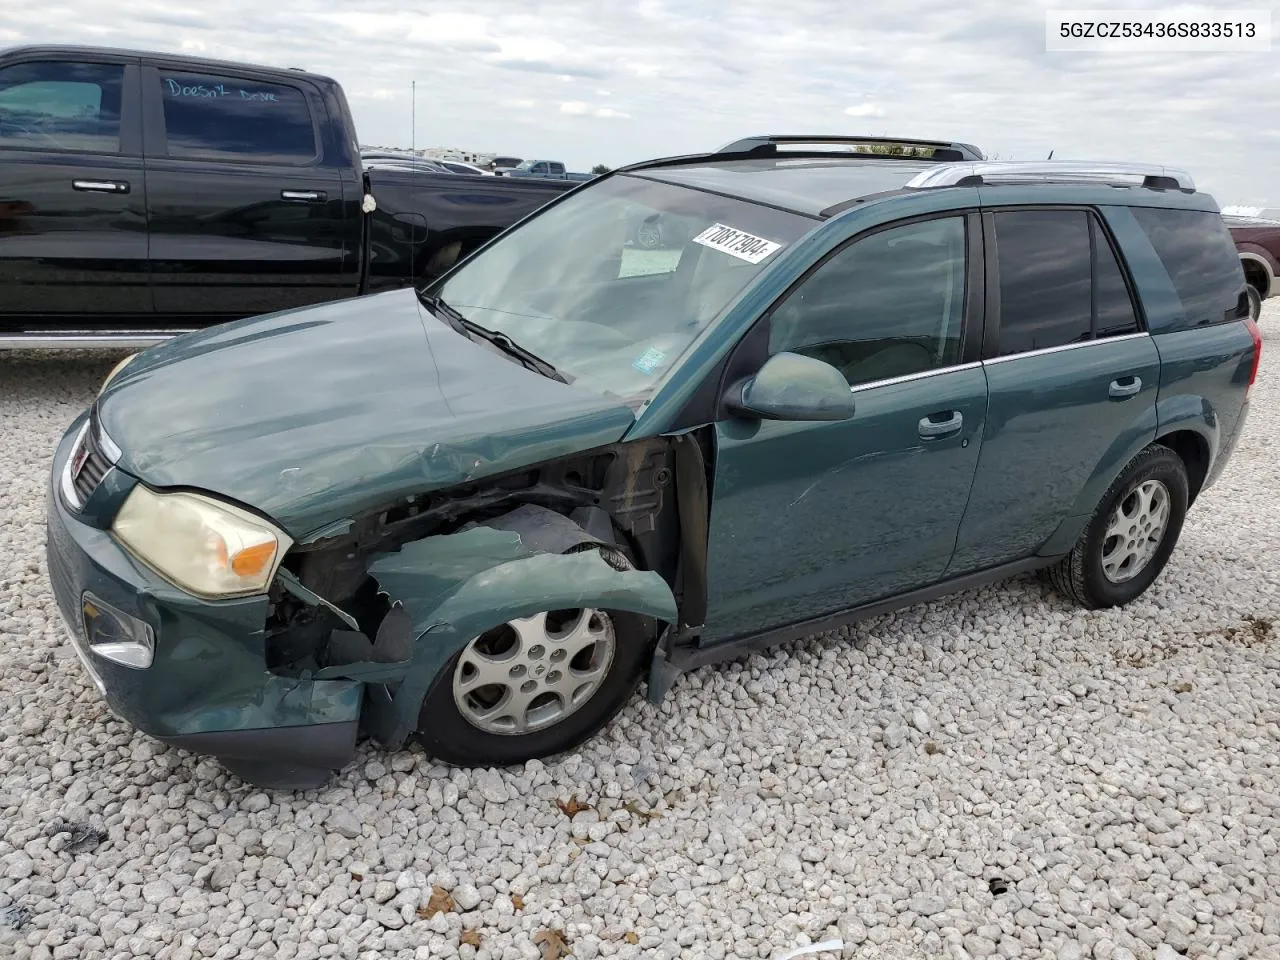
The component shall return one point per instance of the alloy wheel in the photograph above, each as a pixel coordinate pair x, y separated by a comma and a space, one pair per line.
531, 673
1135, 531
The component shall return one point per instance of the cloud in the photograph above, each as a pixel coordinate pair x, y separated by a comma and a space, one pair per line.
576, 108
865, 110
690, 75
548, 66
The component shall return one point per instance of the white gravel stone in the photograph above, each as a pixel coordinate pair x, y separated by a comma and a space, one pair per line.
467, 897
920, 720
344, 824
1113, 768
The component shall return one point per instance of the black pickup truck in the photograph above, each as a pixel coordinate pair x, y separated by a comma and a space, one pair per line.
145, 194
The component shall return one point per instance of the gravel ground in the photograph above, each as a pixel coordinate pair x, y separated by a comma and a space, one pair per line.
995, 774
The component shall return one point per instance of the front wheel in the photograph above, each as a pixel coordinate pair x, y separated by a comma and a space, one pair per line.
533, 687
1132, 533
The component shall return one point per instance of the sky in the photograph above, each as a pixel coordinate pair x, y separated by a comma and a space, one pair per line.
617, 81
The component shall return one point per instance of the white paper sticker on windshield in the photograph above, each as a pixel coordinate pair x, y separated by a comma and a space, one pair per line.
736, 243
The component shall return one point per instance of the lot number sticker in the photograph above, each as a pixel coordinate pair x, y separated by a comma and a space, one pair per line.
736, 243
650, 360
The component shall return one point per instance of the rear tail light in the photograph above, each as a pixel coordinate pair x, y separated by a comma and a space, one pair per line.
1257, 353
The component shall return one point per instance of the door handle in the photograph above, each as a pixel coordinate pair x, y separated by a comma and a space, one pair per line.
931, 428
303, 196
101, 186
1124, 387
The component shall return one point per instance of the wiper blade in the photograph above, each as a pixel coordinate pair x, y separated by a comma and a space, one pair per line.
510, 347
471, 330
447, 313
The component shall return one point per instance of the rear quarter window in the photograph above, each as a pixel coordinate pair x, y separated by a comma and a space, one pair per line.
231, 118
1200, 257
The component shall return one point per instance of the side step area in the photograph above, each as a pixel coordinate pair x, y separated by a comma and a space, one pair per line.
85, 339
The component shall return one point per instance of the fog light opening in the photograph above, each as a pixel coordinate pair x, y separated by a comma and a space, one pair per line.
116, 636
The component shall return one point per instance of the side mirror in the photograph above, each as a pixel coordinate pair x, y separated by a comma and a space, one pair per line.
792, 387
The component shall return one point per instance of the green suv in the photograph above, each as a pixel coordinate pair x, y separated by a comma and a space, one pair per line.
481, 512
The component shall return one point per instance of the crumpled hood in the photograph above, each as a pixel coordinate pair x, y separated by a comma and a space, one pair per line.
314, 415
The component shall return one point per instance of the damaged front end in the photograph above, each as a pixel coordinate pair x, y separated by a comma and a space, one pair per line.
388, 600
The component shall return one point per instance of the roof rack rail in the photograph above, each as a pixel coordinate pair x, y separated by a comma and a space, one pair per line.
767, 145
1149, 175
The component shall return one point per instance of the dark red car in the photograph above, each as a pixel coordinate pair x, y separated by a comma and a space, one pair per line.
1258, 240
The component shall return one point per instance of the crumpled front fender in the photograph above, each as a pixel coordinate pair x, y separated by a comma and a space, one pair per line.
457, 586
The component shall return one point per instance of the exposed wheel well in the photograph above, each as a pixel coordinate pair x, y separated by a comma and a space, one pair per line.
1194, 451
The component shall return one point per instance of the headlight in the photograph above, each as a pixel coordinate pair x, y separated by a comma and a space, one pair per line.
114, 370
206, 547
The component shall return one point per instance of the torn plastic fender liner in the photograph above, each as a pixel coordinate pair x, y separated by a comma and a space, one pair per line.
455, 587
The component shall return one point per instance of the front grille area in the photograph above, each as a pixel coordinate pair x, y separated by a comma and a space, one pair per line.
89, 464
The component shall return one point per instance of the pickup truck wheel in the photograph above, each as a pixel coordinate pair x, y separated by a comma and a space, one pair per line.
1131, 535
1255, 302
534, 687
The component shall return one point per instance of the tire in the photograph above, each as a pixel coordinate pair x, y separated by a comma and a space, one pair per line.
452, 736
1082, 576
1255, 303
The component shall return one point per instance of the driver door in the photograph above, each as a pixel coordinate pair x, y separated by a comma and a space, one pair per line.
811, 518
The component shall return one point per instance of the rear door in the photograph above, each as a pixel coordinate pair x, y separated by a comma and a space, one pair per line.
246, 215
1072, 374
73, 219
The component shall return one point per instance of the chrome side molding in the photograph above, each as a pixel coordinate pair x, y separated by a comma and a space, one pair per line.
86, 339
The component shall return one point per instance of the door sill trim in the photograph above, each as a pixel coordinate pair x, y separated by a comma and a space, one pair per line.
690, 658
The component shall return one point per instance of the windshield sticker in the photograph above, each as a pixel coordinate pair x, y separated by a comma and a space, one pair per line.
736, 243
650, 360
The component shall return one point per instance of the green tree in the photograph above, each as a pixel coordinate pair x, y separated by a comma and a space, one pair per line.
599, 169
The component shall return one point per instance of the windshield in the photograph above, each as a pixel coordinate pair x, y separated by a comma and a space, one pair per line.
614, 283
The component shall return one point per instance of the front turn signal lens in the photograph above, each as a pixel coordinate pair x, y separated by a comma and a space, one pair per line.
251, 561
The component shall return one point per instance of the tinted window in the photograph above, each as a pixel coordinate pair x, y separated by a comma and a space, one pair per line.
1115, 314
61, 106
1045, 287
1200, 257
225, 118
888, 305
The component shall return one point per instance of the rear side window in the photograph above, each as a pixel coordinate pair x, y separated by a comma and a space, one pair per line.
61, 106
1113, 313
1060, 281
1046, 297
230, 118
1198, 254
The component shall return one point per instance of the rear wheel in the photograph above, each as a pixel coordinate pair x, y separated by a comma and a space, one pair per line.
1131, 535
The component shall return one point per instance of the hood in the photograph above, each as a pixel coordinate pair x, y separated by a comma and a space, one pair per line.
312, 416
